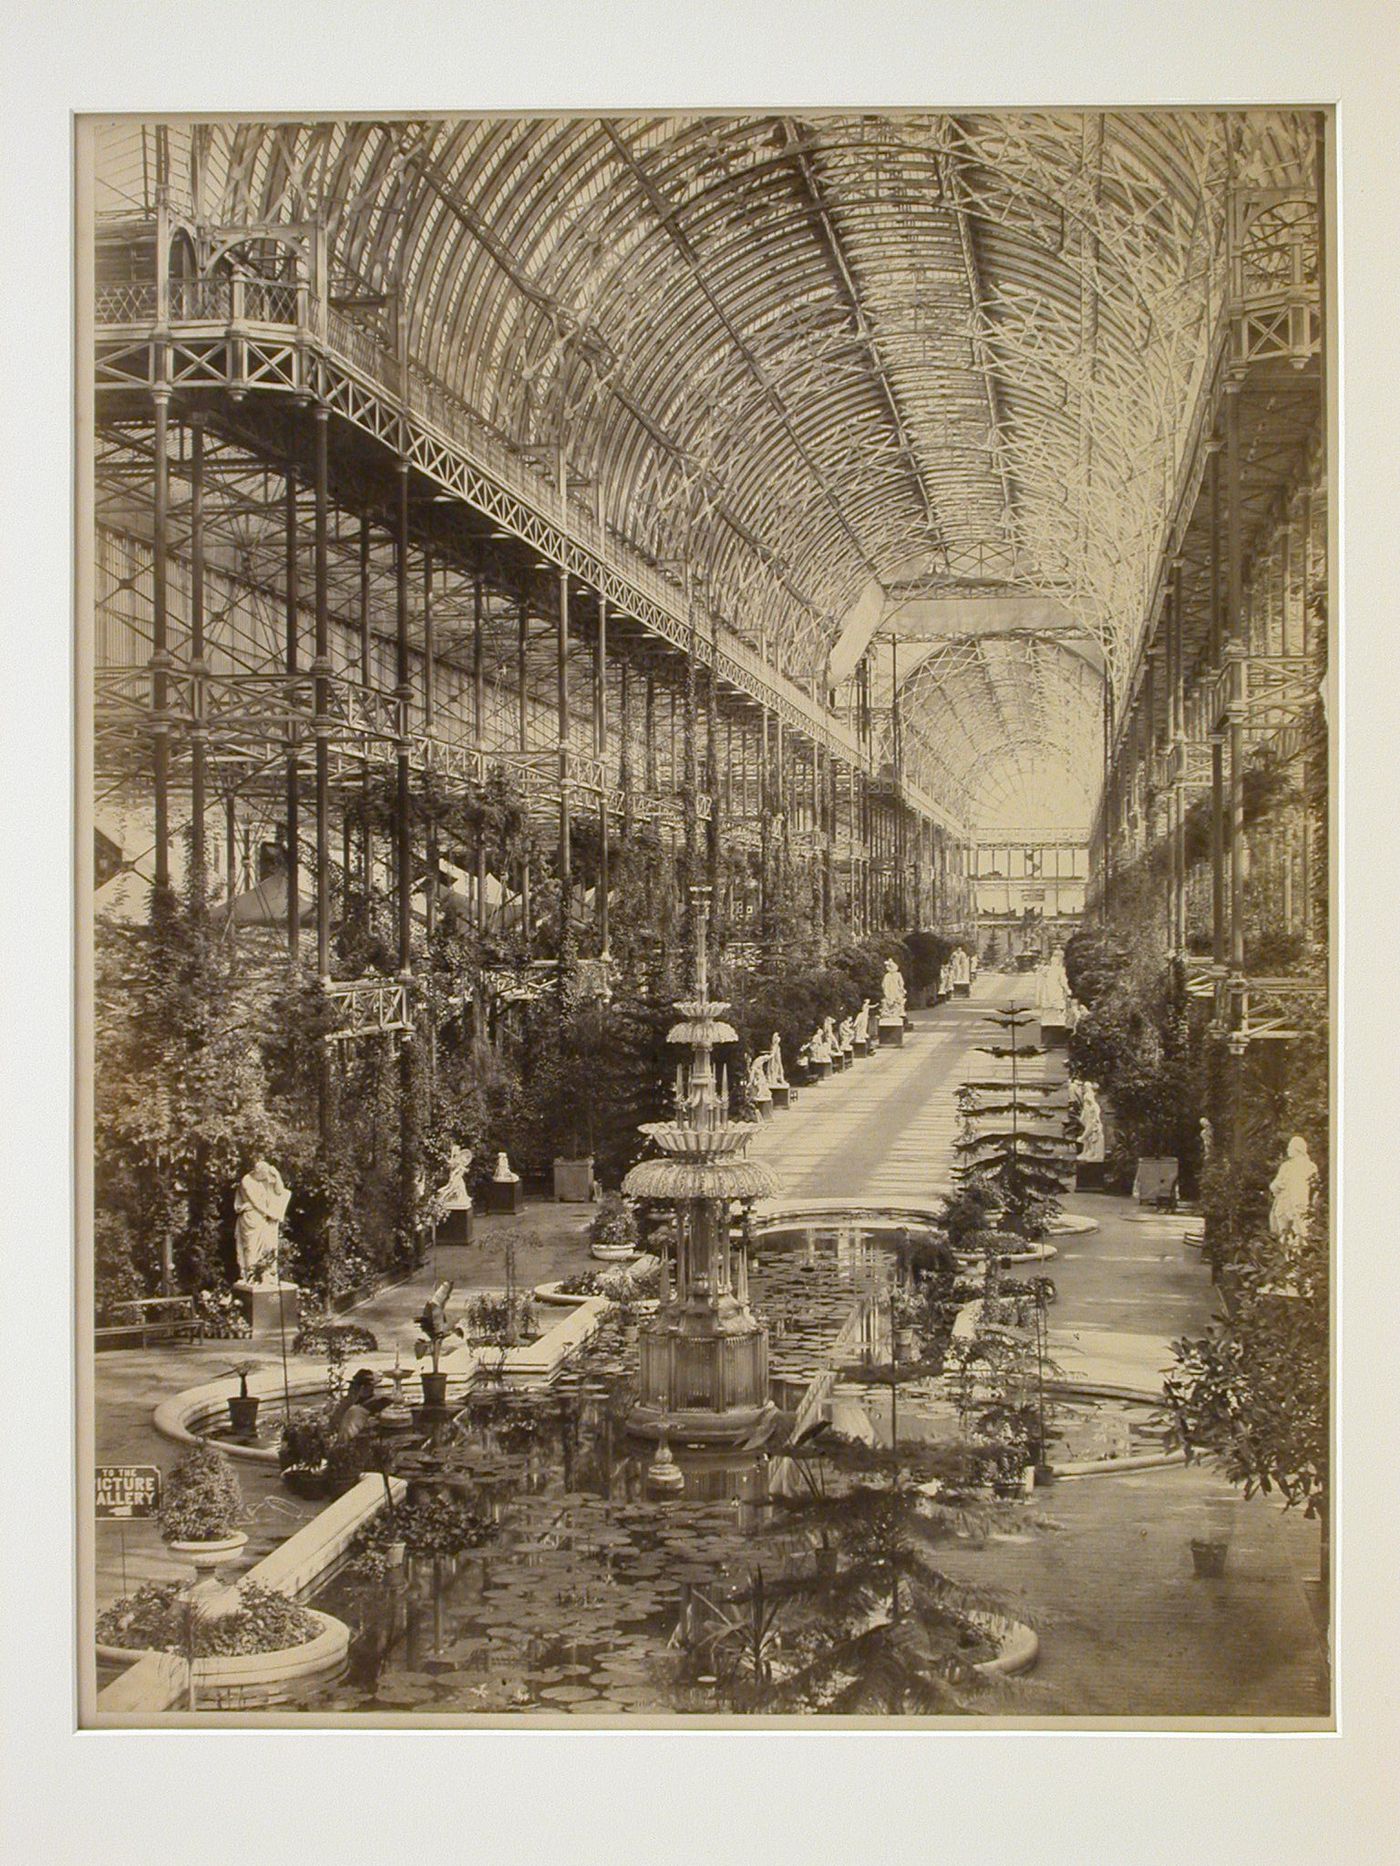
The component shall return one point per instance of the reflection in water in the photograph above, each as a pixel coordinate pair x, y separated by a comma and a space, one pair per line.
586, 1594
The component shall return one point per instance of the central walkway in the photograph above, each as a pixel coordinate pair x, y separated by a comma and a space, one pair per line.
883, 1130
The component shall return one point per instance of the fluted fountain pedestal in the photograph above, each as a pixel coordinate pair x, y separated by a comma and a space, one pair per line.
703, 1373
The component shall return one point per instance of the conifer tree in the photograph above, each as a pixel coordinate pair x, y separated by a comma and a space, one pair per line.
1016, 1142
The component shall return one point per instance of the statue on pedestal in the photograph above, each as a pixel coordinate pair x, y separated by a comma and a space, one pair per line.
1052, 987
829, 1036
452, 1193
893, 996
945, 981
260, 1203
1207, 1132
1291, 1188
862, 1023
846, 1035
758, 1088
776, 1078
1091, 1137
817, 1047
959, 968
503, 1175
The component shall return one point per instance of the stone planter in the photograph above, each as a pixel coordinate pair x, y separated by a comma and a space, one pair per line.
248, 1680
205, 1557
573, 1181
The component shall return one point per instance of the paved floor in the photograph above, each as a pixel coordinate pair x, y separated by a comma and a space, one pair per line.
1103, 1568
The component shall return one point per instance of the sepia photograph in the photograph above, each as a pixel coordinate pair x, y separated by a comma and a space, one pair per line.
706, 747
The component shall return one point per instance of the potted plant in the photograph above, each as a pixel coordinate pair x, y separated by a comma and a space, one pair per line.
613, 1233
243, 1405
203, 1503
303, 1453
435, 1331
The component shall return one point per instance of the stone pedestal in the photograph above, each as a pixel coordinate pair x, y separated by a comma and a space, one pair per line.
862, 1047
781, 1095
456, 1226
1088, 1176
963, 991
764, 1110
503, 1196
266, 1305
891, 1032
1054, 1034
819, 1071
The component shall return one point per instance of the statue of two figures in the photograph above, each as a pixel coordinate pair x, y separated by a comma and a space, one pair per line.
260, 1204
453, 1200
452, 1194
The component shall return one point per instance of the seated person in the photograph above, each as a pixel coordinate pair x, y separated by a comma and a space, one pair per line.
355, 1413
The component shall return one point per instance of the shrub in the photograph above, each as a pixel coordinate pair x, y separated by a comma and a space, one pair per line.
203, 1502
323, 1336
160, 1617
220, 1316
436, 1523
614, 1222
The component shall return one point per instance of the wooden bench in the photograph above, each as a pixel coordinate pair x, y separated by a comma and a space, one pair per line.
153, 1318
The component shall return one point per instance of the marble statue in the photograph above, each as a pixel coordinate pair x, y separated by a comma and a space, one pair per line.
1291, 1188
503, 1175
945, 981
1052, 987
1207, 1130
776, 1078
817, 1047
261, 1203
862, 1023
829, 1036
847, 1034
1091, 1139
959, 969
893, 996
453, 1193
758, 1088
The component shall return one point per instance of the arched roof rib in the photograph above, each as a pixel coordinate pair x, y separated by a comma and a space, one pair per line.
814, 352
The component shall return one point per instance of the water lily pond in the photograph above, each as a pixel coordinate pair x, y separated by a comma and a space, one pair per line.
588, 1594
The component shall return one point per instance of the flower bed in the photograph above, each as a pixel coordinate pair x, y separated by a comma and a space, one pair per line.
322, 1335
157, 1618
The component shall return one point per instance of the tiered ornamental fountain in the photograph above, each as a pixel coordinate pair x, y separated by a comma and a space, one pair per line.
704, 1355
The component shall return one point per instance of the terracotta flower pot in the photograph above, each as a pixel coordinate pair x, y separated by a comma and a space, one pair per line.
1208, 1559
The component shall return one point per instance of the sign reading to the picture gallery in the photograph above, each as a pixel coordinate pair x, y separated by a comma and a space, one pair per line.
127, 1491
